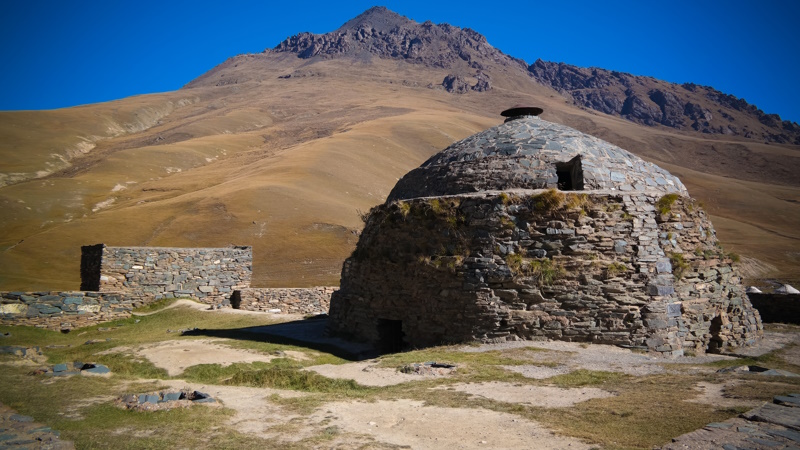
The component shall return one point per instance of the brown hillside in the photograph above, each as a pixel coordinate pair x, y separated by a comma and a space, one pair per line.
281, 150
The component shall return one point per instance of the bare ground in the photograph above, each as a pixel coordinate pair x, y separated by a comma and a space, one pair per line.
412, 423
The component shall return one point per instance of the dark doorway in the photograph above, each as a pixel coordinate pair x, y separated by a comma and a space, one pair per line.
715, 343
570, 175
390, 336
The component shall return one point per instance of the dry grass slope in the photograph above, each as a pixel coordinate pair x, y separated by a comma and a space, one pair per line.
285, 165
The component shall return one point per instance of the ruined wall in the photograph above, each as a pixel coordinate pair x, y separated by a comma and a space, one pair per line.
777, 308
597, 267
315, 300
66, 310
209, 275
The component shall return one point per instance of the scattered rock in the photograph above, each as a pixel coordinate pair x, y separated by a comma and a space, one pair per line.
431, 368
163, 400
19, 431
74, 368
772, 425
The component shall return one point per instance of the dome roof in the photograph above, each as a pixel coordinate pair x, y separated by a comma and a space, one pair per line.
530, 153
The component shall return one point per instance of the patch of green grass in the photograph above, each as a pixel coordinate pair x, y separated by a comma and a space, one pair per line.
623, 421
544, 271
578, 202
583, 377
548, 201
679, 265
615, 268
664, 204
156, 305
762, 390
280, 373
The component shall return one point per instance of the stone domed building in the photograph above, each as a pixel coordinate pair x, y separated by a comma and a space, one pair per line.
534, 230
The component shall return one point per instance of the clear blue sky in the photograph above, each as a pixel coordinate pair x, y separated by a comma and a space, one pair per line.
64, 53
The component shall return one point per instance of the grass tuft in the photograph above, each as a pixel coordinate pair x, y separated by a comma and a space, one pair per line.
664, 204
550, 200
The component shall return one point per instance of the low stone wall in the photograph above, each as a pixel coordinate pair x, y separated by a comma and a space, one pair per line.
66, 310
777, 308
209, 275
315, 300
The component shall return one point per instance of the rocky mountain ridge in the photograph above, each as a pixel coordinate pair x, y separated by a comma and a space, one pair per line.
386, 34
651, 102
688, 107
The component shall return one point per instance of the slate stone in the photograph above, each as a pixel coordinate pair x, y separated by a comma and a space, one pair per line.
673, 310
172, 396
786, 400
766, 443
20, 418
658, 290
772, 413
788, 434
60, 368
98, 369
151, 399
779, 373
663, 266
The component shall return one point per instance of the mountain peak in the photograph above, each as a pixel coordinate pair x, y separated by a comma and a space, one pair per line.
386, 34
379, 18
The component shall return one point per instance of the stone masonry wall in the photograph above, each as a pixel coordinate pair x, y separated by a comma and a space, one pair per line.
600, 266
315, 300
209, 275
66, 310
777, 308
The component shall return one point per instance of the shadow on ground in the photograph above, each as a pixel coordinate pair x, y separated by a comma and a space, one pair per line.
309, 333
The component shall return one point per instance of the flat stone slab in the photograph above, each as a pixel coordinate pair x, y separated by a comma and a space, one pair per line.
20, 431
778, 414
770, 426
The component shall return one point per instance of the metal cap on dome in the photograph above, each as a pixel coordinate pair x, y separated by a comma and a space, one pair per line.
522, 110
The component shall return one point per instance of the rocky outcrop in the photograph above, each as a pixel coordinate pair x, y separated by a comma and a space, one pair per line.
385, 34
455, 84
651, 102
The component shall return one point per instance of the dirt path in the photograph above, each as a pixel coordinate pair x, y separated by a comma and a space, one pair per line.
367, 373
255, 413
409, 423
544, 396
176, 356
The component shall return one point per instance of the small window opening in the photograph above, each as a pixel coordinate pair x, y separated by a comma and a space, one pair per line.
390, 336
570, 175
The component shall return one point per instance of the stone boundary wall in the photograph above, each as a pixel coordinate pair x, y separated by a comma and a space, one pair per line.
314, 300
209, 275
777, 308
60, 311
